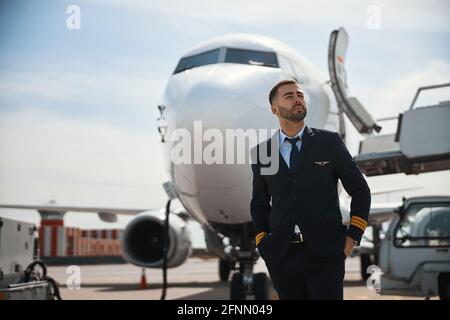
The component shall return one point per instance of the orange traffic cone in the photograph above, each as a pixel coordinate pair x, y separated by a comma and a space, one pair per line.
143, 283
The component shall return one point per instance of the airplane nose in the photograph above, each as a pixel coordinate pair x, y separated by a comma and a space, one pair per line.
219, 101
222, 101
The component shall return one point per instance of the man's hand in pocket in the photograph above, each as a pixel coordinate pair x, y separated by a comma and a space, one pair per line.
349, 243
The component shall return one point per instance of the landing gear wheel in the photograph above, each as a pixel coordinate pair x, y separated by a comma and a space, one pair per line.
224, 270
261, 286
237, 287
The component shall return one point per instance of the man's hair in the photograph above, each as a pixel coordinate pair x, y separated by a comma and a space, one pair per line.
273, 92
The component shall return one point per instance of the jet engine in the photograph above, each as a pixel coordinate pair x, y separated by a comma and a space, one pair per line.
143, 240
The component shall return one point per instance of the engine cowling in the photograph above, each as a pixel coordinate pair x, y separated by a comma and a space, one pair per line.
143, 240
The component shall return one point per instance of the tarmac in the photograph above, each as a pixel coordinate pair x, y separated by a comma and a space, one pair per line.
196, 279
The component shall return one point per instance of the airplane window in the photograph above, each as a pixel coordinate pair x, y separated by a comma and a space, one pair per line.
201, 59
256, 58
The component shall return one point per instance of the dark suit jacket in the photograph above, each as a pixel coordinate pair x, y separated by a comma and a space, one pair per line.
308, 196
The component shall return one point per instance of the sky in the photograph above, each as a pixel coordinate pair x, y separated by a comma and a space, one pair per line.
78, 107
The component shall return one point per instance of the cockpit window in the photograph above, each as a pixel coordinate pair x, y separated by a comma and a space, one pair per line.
201, 59
256, 58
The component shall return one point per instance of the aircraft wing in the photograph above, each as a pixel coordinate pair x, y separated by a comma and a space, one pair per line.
390, 190
56, 208
381, 212
104, 213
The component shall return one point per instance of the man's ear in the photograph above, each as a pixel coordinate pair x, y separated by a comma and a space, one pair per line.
274, 109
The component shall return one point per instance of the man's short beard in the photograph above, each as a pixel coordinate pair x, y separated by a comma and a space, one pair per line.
291, 116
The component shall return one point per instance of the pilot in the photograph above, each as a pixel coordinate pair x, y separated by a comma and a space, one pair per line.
295, 211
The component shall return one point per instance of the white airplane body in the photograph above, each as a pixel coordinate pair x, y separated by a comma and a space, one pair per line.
226, 95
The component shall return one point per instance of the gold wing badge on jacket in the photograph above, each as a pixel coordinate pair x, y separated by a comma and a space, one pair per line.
321, 163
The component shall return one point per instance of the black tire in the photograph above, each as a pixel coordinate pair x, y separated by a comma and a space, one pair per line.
366, 261
224, 270
444, 286
237, 287
261, 286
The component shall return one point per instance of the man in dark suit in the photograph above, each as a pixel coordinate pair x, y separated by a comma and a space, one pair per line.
295, 211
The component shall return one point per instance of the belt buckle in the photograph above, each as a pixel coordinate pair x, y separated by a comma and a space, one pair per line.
298, 238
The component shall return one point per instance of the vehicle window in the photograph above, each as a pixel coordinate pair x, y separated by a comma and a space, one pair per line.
424, 227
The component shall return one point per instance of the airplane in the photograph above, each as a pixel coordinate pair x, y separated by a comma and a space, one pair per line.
223, 83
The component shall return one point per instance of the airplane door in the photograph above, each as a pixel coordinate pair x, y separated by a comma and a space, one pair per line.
351, 106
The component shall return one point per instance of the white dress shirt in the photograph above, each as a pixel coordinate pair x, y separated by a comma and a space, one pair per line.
286, 146
285, 150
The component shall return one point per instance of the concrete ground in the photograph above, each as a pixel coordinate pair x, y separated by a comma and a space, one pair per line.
196, 279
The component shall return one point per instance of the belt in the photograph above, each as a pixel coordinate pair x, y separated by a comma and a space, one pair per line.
297, 238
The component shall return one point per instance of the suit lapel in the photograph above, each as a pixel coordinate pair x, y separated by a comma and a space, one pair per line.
308, 137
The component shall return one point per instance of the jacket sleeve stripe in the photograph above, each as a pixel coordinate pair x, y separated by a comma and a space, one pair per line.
360, 220
259, 237
358, 225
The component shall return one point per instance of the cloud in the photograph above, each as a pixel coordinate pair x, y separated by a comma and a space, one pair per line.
43, 156
395, 95
58, 83
50, 147
404, 15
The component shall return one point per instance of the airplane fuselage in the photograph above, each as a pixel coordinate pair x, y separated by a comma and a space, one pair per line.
231, 94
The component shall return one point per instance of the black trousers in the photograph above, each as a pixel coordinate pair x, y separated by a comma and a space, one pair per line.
303, 275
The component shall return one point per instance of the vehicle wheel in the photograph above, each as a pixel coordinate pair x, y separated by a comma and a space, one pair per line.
237, 287
261, 286
224, 269
444, 286
366, 261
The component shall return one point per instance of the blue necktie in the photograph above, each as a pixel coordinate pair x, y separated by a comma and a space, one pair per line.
295, 153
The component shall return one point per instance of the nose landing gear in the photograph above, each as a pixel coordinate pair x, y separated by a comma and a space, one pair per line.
247, 285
